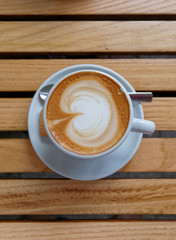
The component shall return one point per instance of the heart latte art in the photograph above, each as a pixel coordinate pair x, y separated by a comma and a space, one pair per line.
87, 113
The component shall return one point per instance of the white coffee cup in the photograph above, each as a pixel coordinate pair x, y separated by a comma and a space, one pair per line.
134, 124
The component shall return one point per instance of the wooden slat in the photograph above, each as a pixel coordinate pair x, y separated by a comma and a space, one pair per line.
143, 74
88, 36
14, 113
62, 7
163, 112
21, 157
89, 230
153, 155
110, 196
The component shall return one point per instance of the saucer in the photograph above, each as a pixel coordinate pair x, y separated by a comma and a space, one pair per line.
74, 168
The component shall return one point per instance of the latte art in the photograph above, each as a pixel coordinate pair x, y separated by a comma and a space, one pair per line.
86, 113
96, 120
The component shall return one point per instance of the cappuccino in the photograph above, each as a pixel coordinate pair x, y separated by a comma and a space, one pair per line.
87, 113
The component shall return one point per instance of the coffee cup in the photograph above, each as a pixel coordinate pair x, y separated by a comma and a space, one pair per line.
87, 99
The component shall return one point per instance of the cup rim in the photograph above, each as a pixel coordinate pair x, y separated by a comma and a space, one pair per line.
76, 155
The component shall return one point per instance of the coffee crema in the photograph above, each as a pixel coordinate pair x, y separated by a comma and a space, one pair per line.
87, 113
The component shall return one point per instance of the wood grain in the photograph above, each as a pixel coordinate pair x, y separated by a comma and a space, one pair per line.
21, 157
110, 196
153, 155
88, 36
89, 230
65, 7
14, 113
163, 112
143, 74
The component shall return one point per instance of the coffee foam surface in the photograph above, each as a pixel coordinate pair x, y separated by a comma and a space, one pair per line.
96, 121
84, 116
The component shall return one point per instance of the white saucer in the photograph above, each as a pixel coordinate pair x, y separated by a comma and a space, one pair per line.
81, 169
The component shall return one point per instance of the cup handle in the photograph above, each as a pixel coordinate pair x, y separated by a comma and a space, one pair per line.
142, 126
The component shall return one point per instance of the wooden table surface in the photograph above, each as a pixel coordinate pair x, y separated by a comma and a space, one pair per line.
137, 39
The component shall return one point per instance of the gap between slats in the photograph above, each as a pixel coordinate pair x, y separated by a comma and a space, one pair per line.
24, 134
88, 217
78, 55
89, 17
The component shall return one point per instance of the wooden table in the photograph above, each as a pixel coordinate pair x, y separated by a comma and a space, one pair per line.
137, 39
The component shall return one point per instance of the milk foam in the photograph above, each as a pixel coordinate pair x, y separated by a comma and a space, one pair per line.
95, 120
